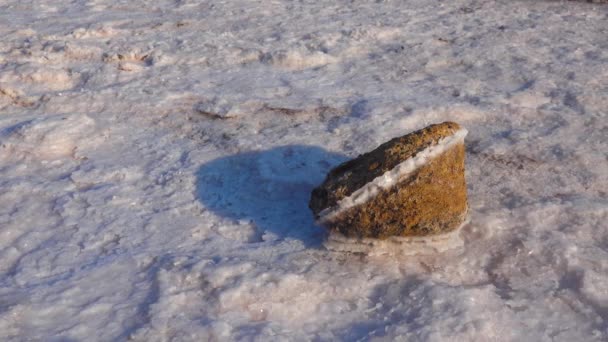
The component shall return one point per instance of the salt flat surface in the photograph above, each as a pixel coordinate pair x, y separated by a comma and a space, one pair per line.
156, 160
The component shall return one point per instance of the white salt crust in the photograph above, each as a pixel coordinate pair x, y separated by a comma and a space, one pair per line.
398, 245
202, 242
392, 177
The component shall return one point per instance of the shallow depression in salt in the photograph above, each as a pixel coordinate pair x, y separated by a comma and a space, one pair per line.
157, 158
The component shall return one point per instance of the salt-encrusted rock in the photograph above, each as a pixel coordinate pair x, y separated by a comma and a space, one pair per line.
413, 185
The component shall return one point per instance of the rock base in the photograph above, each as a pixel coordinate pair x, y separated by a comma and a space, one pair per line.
397, 245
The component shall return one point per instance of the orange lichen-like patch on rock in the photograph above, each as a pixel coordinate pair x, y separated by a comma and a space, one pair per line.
427, 200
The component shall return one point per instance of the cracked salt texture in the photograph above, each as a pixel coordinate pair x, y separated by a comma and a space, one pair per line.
140, 217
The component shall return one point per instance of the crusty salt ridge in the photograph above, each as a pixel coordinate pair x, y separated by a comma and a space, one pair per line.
392, 177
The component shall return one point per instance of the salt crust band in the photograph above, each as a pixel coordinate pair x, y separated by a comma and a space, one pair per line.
393, 176
398, 245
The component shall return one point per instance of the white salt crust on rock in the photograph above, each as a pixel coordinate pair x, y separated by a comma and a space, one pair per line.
392, 177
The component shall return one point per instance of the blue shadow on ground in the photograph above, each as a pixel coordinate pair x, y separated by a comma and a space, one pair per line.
271, 188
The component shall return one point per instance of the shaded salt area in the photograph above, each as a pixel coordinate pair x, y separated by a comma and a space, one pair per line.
156, 160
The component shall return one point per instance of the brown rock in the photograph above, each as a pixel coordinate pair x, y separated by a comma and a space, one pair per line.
413, 185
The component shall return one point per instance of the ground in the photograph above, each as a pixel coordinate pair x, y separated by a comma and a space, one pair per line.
157, 157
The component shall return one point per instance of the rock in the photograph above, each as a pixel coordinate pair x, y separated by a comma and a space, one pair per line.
413, 185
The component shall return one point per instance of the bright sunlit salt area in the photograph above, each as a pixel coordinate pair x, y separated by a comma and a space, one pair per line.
157, 157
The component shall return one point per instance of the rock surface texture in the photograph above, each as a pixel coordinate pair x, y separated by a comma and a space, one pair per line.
412, 185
